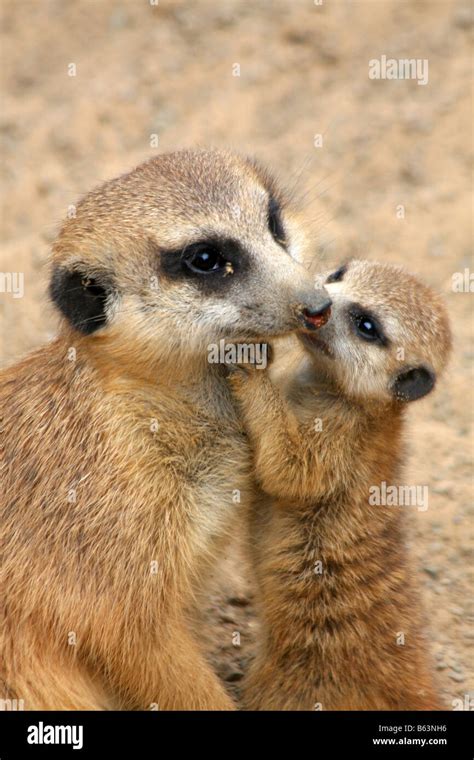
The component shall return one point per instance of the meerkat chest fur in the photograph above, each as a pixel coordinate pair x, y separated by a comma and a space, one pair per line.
203, 443
184, 444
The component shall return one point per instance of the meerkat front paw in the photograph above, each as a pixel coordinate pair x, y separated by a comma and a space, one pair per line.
247, 358
238, 378
247, 384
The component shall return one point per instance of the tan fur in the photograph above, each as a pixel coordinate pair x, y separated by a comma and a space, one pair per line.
122, 449
330, 638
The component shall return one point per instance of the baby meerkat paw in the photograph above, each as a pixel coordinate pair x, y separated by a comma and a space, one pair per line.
249, 357
238, 377
236, 371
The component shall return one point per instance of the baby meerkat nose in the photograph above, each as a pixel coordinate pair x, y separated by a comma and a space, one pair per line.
313, 318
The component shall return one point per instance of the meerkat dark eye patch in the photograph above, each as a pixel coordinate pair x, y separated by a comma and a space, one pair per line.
213, 264
338, 275
80, 298
412, 384
366, 325
275, 223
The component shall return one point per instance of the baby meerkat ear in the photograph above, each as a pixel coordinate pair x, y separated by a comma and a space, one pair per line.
411, 384
81, 298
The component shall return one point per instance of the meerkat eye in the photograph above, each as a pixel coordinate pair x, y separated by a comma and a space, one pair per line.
275, 224
205, 258
367, 327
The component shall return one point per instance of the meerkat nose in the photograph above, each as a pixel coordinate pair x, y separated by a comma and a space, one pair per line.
315, 318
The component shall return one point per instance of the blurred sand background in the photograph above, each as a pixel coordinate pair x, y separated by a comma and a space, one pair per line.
167, 70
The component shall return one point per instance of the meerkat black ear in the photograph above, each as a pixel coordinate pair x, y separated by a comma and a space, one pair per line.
80, 298
414, 383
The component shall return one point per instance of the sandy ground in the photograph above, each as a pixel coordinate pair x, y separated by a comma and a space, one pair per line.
167, 70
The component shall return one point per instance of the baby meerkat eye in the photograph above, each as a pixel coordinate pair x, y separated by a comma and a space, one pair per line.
205, 258
367, 327
275, 223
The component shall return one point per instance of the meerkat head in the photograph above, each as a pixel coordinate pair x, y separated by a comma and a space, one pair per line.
188, 248
388, 337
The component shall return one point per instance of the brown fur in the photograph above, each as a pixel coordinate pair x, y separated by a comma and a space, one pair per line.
330, 638
122, 447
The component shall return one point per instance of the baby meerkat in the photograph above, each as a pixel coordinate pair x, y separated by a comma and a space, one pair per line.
122, 448
341, 620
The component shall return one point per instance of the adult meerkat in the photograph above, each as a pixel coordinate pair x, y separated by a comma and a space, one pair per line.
122, 448
341, 621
